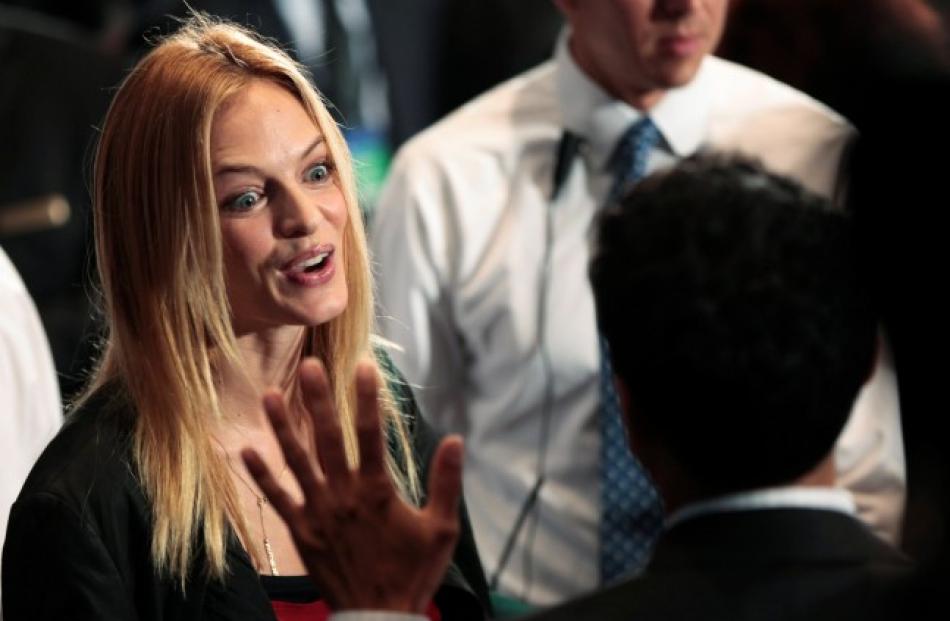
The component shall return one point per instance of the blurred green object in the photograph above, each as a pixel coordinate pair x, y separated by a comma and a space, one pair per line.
507, 607
371, 158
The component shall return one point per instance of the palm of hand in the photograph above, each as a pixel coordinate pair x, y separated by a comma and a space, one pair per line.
364, 546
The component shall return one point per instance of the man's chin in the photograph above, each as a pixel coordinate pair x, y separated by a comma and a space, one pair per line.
678, 78
677, 73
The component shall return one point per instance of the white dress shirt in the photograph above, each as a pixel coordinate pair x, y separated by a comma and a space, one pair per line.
30, 409
508, 356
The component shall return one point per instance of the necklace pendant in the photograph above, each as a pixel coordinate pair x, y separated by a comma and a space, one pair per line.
270, 557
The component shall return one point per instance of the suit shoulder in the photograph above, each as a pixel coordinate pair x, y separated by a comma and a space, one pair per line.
630, 599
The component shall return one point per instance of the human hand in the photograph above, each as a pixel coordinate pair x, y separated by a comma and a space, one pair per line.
364, 546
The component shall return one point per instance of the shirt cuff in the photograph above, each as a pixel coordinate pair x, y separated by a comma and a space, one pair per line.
375, 615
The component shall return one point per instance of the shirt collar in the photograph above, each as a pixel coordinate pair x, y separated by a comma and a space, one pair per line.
791, 497
590, 112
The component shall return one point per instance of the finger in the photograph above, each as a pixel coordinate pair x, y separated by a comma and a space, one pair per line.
284, 505
328, 435
368, 431
445, 480
294, 454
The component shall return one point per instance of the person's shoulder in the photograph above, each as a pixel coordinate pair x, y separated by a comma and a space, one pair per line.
16, 304
30, 392
788, 131
495, 122
744, 92
89, 459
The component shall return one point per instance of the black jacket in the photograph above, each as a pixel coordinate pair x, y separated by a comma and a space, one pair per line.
755, 565
77, 544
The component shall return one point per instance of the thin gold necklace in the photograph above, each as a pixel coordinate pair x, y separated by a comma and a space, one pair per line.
260, 501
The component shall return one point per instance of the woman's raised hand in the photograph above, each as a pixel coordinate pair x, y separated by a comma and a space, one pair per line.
363, 545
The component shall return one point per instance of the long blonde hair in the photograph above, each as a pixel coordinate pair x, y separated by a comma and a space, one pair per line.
158, 247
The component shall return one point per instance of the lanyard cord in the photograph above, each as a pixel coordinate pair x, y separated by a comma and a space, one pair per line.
567, 151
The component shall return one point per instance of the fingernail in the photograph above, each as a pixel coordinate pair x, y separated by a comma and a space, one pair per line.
453, 456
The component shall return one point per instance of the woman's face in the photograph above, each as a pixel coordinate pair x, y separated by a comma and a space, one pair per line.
282, 211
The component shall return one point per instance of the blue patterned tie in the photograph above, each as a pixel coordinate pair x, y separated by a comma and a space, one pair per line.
632, 513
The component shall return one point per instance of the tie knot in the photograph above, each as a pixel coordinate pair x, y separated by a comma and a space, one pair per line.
628, 163
634, 145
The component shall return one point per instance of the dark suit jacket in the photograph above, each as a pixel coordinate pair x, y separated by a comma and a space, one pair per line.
763, 564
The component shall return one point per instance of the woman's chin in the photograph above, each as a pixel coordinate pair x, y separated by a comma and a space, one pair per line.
326, 310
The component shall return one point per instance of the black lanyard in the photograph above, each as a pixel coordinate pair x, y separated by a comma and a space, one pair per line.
567, 149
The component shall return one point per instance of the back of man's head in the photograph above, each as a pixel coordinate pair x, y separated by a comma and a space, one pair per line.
737, 322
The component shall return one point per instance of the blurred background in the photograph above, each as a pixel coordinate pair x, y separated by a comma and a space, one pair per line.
389, 67
393, 67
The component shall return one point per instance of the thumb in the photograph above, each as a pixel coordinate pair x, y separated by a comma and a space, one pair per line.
445, 480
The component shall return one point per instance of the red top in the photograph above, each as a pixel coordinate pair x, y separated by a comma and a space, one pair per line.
319, 611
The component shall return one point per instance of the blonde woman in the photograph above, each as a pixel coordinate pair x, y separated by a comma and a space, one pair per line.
233, 269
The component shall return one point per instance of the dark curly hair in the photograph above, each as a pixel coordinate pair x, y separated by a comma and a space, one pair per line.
734, 308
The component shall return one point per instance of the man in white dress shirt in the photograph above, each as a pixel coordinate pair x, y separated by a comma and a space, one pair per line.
481, 245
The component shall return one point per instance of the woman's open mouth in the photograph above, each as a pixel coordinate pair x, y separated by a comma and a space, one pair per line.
311, 268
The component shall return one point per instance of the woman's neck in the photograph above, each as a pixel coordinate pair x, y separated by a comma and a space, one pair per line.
269, 360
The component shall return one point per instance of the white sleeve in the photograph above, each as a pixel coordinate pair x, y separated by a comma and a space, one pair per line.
870, 452
29, 393
415, 251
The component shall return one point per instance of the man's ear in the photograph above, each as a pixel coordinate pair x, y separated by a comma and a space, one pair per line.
624, 394
626, 407
636, 441
567, 7
880, 345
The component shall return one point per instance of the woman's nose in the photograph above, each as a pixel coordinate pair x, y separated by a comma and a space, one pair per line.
298, 214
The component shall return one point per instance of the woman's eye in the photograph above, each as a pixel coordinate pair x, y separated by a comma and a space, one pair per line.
243, 202
318, 172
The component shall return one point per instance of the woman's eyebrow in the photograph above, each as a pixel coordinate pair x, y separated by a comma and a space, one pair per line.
248, 168
313, 145
238, 168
